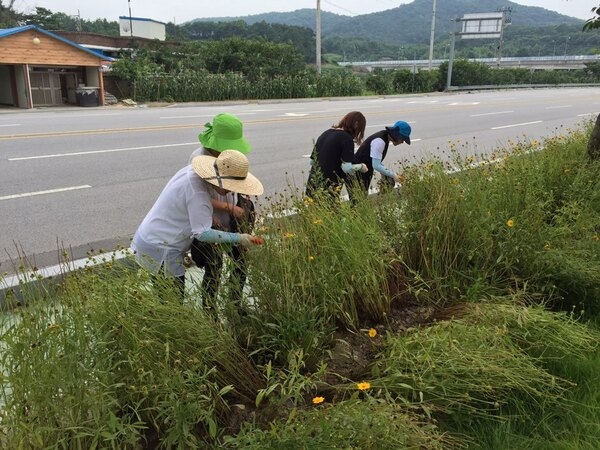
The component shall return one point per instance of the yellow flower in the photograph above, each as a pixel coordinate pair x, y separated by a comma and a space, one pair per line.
317, 221
308, 200
372, 332
318, 400
363, 386
289, 235
311, 258
510, 223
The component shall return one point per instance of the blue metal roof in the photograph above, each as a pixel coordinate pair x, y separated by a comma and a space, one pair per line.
141, 19
5, 32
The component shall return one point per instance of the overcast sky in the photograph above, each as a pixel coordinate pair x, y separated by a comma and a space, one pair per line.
179, 11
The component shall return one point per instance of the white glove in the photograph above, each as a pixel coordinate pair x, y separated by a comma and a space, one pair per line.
246, 239
399, 178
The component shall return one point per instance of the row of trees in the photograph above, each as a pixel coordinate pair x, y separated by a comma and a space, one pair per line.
49, 20
519, 40
237, 69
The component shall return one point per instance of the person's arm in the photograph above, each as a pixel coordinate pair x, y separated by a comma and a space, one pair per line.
351, 168
347, 154
232, 209
213, 236
379, 167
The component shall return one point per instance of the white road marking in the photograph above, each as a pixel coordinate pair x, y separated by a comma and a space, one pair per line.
11, 125
587, 114
62, 268
516, 125
463, 103
197, 116
491, 113
49, 191
187, 117
388, 124
44, 115
296, 114
558, 107
91, 152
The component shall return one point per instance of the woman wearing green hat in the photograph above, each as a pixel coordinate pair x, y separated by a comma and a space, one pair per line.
231, 212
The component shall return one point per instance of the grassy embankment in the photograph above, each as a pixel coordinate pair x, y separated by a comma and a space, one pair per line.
460, 311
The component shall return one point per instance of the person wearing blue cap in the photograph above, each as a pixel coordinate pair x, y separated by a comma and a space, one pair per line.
373, 150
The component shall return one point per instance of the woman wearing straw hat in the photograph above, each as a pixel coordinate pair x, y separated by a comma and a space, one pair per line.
231, 212
183, 212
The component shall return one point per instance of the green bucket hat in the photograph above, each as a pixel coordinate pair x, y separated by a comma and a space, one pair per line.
224, 133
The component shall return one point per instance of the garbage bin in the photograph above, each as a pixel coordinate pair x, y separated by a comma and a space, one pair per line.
87, 96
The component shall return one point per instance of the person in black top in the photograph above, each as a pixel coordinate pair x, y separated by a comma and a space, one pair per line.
373, 150
332, 156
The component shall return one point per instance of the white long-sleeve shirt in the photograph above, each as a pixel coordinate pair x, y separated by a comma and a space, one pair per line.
183, 209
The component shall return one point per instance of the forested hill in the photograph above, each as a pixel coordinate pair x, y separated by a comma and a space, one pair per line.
407, 24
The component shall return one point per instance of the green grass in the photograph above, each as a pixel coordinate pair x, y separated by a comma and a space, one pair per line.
460, 311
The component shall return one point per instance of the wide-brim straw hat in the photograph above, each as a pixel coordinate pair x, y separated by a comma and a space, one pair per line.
229, 171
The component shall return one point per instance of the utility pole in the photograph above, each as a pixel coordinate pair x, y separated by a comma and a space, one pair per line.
566, 42
506, 20
318, 55
130, 20
431, 39
451, 56
78, 22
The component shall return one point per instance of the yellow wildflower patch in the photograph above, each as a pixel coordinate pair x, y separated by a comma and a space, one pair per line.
363, 386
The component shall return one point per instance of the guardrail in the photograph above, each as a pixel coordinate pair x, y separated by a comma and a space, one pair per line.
531, 62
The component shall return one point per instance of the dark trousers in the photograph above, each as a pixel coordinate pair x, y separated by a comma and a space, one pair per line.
210, 258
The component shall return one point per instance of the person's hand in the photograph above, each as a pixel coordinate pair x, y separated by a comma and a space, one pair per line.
399, 178
364, 168
237, 212
248, 240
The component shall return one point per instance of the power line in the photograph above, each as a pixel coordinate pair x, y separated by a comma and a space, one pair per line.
354, 13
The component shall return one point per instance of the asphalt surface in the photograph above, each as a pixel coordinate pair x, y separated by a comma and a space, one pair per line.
77, 181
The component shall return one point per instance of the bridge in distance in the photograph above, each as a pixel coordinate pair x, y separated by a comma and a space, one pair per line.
566, 62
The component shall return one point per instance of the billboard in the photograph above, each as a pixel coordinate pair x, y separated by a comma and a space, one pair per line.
481, 26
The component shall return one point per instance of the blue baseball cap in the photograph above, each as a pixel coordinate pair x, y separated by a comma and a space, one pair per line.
401, 130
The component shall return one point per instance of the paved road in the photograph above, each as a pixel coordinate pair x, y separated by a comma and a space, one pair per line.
83, 178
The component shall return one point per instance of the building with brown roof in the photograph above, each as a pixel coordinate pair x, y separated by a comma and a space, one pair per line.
41, 68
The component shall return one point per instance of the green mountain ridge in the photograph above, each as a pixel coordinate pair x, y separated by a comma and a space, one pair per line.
406, 24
